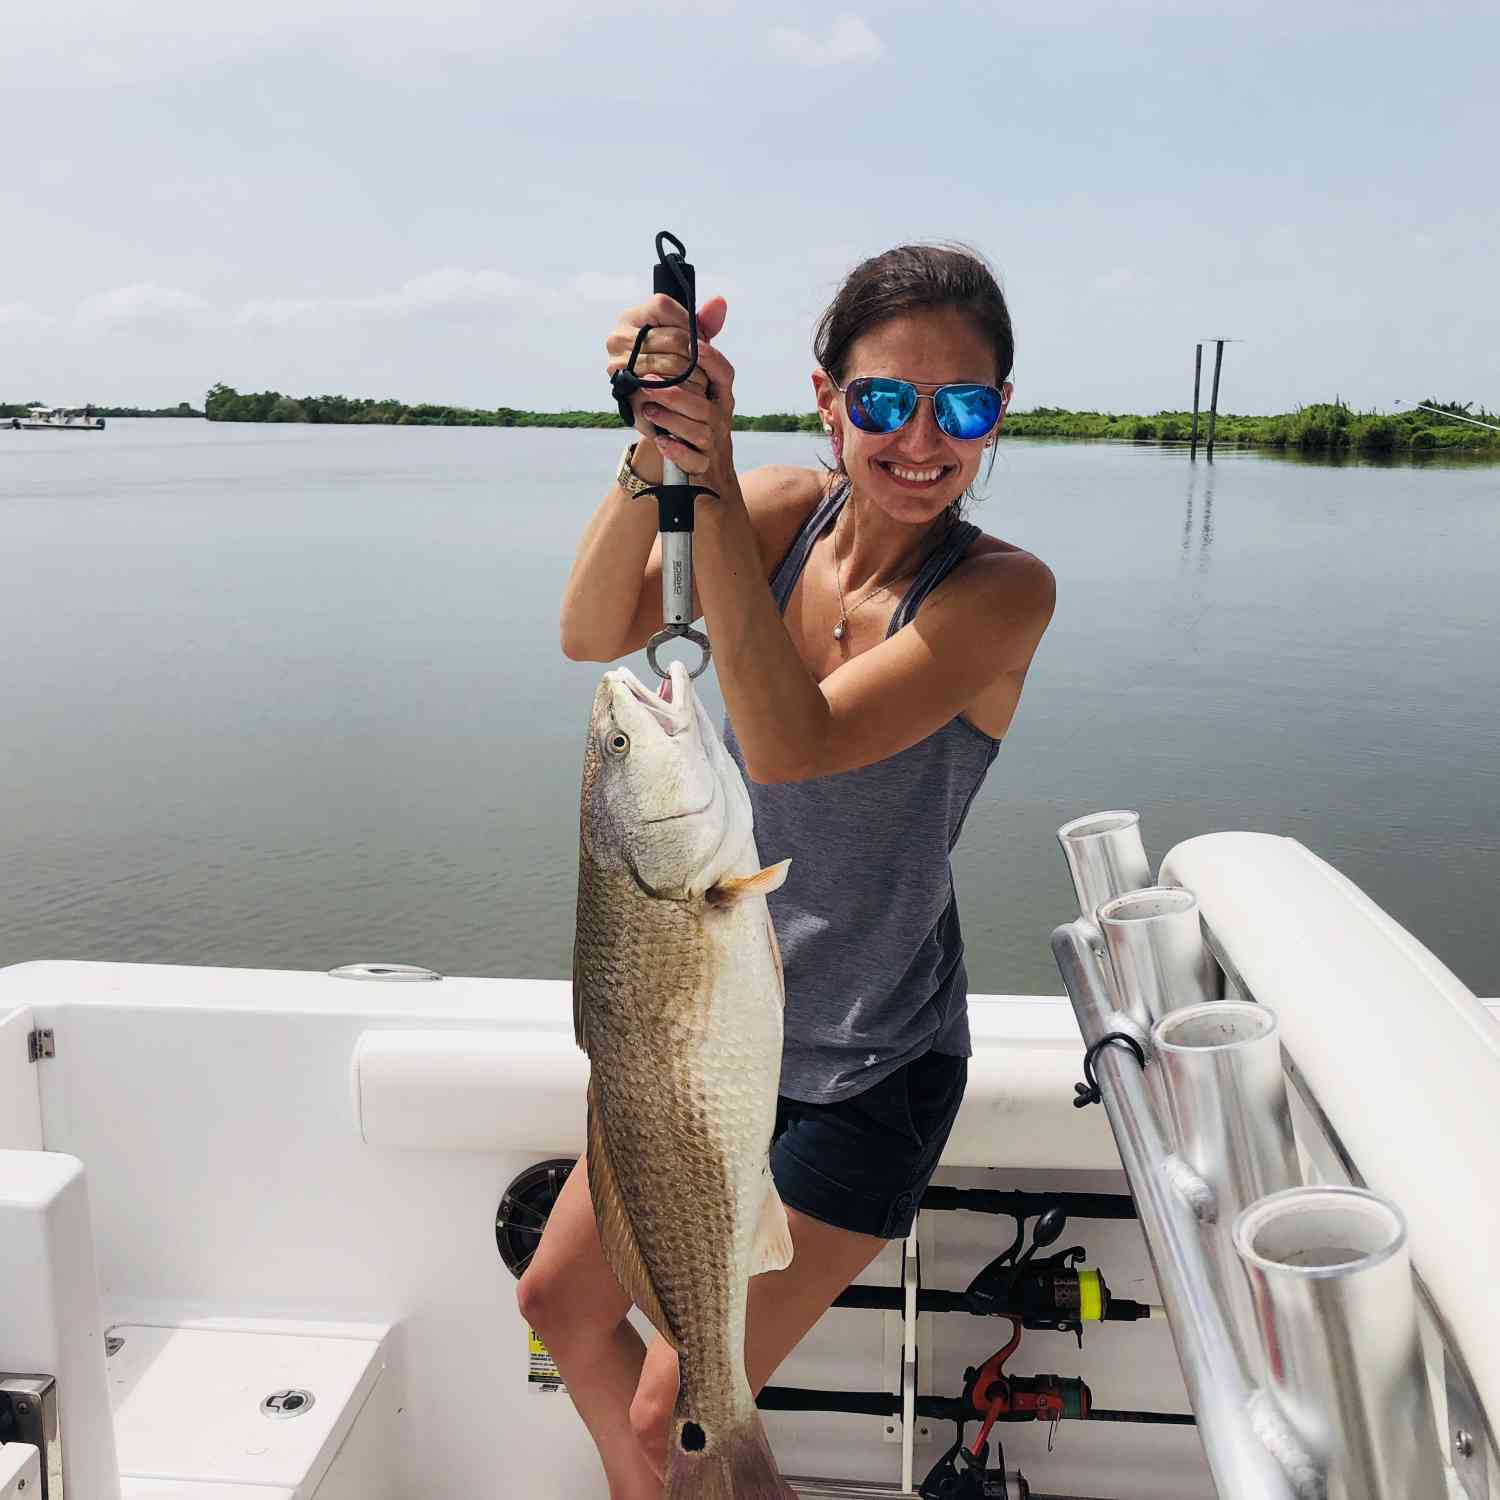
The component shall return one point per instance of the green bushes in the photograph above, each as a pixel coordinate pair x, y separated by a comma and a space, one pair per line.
1323, 427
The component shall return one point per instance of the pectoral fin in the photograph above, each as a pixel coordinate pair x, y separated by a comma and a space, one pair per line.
616, 1234
772, 1250
762, 883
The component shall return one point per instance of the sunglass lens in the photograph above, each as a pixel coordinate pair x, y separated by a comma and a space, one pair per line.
967, 411
880, 405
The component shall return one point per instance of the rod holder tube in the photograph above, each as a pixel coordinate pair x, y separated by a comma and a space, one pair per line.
1158, 953
1105, 857
1243, 1467
1330, 1277
1219, 1069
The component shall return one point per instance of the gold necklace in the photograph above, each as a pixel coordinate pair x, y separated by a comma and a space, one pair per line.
842, 628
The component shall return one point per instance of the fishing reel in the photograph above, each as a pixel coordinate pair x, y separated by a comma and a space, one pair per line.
1054, 1292
958, 1475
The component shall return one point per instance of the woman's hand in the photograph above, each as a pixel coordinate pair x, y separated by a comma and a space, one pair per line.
690, 423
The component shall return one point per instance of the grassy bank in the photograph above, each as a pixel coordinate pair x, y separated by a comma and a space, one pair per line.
1331, 427
1322, 428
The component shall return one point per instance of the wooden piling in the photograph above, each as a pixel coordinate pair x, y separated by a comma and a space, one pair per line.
1197, 384
1213, 403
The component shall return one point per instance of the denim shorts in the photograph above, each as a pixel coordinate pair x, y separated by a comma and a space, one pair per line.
862, 1163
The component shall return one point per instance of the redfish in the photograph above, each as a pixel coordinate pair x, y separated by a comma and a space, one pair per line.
677, 1000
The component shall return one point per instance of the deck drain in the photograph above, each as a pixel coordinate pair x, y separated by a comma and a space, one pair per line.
288, 1403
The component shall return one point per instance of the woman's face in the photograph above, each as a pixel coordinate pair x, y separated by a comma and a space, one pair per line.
914, 473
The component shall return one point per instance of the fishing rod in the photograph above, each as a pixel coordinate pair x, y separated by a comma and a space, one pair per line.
1457, 417
676, 494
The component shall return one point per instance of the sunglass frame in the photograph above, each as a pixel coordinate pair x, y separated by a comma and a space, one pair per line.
921, 395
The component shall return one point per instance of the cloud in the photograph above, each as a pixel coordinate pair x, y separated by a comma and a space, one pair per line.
1120, 279
448, 290
613, 287
145, 305
280, 312
101, 42
849, 40
22, 315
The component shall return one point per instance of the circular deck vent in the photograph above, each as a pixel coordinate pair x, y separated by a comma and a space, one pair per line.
523, 1211
288, 1403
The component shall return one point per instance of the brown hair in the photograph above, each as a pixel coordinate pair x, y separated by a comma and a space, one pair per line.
909, 279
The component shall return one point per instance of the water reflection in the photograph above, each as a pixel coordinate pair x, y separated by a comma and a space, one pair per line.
1206, 479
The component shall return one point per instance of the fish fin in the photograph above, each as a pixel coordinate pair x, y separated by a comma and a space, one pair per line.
776, 962
731, 1463
772, 1250
580, 1029
737, 887
616, 1233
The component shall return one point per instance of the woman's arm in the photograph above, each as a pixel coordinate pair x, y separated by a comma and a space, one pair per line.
973, 640
605, 594
971, 643
612, 600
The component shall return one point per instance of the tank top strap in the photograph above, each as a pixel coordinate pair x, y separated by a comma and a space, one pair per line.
824, 514
945, 557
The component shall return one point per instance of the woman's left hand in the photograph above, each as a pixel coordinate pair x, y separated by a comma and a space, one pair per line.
695, 429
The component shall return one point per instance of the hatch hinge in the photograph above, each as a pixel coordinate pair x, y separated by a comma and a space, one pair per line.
41, 1043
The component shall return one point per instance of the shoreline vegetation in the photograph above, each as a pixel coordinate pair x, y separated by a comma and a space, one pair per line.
10, 409
1324, 427
1330, 427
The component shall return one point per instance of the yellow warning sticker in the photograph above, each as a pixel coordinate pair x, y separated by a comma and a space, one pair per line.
543, 1374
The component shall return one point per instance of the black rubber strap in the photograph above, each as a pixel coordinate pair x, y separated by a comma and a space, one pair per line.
673, 275
1087, 1092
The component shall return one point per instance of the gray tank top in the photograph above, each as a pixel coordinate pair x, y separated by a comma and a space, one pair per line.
867, 919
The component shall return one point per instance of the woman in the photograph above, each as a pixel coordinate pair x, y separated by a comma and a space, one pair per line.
867, 692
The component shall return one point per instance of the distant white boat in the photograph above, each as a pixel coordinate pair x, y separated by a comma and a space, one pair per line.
59, 418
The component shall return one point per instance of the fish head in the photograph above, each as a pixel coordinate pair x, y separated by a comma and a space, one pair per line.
662, 797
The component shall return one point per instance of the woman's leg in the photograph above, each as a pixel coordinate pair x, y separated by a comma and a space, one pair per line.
782, 1307
572, 1299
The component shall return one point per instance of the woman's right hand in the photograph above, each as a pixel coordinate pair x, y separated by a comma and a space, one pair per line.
665, 351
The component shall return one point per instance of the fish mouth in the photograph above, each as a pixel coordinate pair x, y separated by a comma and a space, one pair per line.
672, 713
692, 812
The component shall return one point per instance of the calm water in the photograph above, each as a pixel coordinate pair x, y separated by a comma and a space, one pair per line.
291, 696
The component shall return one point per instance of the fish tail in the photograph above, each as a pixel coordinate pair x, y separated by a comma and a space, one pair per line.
730, 1463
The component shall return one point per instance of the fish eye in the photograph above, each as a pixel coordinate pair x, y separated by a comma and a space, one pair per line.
617, 743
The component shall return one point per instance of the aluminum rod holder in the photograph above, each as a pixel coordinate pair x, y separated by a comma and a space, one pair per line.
1242, 1467
1219, 1069
1105, 857
1330, 1276
1156, 948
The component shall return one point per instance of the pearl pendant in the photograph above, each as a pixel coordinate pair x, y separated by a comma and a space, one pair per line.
838, 630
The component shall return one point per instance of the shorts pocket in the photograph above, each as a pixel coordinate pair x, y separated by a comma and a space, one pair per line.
934, 1090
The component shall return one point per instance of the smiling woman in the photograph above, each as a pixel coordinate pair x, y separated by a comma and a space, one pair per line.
871, 646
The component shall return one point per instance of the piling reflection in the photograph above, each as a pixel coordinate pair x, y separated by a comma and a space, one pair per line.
1200, 483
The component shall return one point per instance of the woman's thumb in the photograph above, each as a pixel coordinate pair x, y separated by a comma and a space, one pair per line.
711, 317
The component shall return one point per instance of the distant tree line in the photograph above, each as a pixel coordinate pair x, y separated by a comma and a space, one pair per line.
1328, 427
182, 409
225, 404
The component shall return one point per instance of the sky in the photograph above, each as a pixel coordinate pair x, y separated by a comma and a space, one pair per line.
452, 200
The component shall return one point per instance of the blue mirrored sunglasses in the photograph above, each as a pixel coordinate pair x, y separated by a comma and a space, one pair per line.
882, 404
